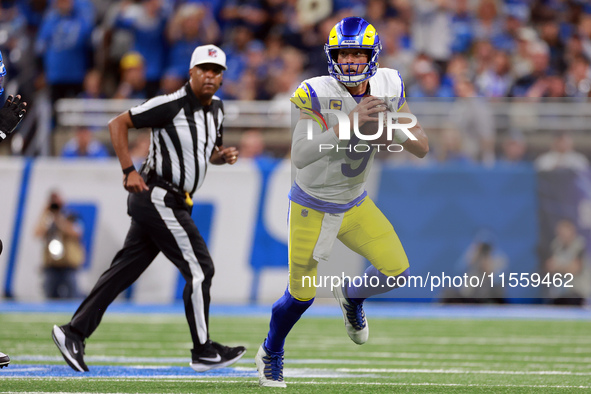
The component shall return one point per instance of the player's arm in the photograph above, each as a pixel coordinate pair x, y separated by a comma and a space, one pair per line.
11, 115
119, 130
420, 147
305, 150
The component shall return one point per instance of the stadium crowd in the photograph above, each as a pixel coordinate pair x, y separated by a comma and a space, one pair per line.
442, 48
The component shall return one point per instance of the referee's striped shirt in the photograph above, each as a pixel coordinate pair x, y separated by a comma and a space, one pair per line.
184, 135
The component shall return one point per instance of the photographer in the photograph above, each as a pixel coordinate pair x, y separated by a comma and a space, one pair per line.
62, 252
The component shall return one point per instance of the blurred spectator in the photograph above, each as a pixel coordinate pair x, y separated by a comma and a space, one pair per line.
236, 60
496, 80
64, 43
578, 78
568, 257
147, 24
293, 60
489, 24
93, 85
540, 58
449, 149
506, 40
248, 86
458, 69
171, 81
133, 78
584, 31
431, 30
33, 11
520, 57
550, 34
462, 25
248, 13
286, 79
13, 37
482, 258
376, 13
551, 86
562, 155
472, 115
427, 83
394, 55
273, 47
84, 144
514, 149
256, 61
573, 49
63, 252
252, 144
483, 56
213, 7
189, 28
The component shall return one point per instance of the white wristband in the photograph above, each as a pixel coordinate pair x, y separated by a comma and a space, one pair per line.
399, 136
2, 135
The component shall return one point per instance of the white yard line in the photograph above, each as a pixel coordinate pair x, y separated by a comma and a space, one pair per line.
347, 383
460, 371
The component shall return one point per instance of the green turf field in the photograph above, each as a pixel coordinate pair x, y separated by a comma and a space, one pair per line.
402, 355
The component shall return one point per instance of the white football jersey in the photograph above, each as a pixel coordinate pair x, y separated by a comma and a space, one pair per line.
339, 176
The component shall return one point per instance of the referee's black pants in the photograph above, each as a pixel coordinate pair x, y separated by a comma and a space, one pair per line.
160, 222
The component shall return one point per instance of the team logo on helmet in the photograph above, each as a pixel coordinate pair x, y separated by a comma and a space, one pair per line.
353, 32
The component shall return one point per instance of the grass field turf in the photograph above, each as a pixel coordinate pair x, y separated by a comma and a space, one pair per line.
146, 353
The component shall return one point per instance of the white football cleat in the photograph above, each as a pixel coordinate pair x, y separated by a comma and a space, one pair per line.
270, 368
354, 316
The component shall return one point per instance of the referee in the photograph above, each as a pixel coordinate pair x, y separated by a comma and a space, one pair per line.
186, 136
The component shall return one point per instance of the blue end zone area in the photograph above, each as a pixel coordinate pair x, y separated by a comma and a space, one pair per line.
129, 372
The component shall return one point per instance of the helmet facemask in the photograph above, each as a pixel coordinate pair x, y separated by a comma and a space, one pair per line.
364, 70
353, 33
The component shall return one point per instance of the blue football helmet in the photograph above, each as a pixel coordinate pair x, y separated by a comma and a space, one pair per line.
2, 74
352, 32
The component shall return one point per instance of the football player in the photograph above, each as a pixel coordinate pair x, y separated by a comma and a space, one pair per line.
10, 116
13, 110
328, 198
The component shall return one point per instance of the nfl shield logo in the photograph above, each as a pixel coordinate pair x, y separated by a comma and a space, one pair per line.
212, 53
304, 212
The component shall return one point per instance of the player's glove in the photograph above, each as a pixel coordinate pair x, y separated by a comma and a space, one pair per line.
11, 115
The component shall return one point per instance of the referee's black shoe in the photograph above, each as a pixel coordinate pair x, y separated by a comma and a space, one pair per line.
215, 355
4, 360
71, 346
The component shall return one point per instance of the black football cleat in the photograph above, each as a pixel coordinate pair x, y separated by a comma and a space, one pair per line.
4, 360
71, 346
215, 355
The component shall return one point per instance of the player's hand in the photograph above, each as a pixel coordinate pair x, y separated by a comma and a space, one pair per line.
134, 183
230, 155
11, 115
368, 109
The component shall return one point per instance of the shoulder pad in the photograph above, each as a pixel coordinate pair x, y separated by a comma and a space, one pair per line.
306, 98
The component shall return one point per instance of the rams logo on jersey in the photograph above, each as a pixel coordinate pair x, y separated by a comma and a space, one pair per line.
306, 98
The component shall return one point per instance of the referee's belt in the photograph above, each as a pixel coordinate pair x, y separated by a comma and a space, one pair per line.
157, 180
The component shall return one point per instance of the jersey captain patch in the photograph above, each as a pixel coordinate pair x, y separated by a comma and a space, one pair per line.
335, 104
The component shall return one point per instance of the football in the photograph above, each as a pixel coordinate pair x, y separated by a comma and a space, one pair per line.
372, 127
